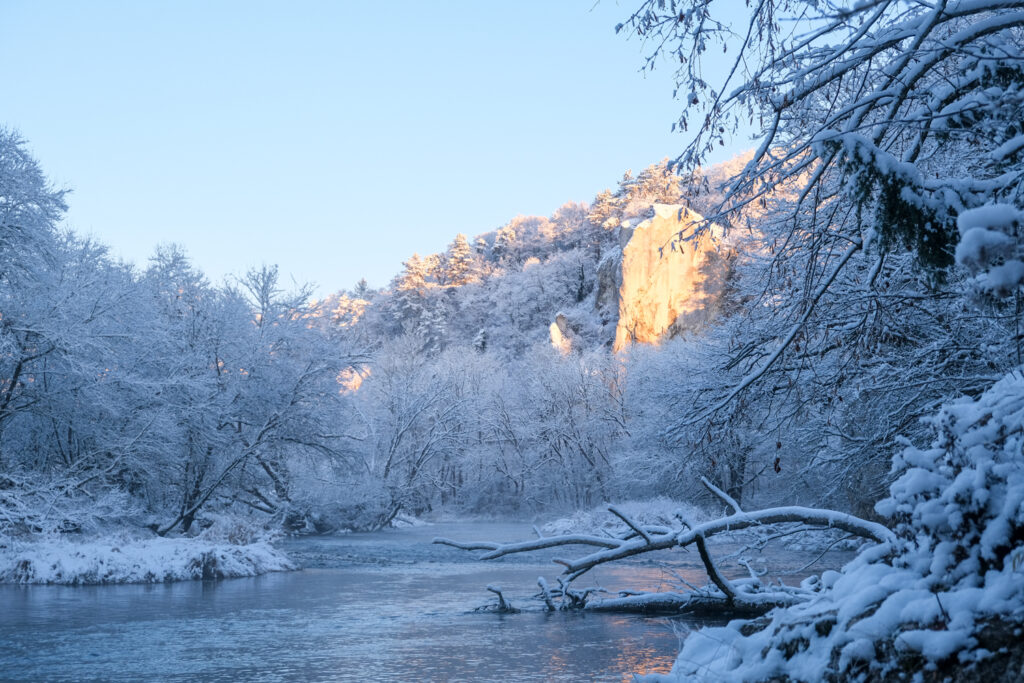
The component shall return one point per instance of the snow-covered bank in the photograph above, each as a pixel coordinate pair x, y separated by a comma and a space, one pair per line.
656, 511
153, 560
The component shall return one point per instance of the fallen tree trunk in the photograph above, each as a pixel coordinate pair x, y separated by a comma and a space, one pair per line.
741, 597
670, 603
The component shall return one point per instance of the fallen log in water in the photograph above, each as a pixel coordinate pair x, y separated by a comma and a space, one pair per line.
746, 597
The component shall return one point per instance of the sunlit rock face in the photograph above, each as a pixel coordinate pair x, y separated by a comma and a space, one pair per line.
668, 282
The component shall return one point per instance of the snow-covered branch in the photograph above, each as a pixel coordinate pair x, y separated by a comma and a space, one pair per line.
645, 539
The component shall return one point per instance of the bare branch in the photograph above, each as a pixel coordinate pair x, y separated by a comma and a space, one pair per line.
630, 523
502, 549
716, 578
503, 604
723, 495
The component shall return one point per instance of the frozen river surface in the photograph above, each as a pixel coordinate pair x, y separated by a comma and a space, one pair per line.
386, 606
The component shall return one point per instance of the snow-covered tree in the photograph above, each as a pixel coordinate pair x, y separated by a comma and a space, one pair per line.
941, 596
867, 159
458, 263
911, 112
604, 210
29, 211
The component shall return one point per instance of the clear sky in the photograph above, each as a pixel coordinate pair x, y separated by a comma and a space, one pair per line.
331, 138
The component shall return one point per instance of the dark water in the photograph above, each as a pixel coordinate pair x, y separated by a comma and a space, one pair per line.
386, 606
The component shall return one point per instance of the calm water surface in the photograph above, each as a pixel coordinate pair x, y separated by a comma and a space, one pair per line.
386, 606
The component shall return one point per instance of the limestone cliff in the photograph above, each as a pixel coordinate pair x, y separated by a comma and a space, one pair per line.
664, 282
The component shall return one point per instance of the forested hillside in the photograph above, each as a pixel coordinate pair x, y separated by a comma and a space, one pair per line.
148, 395
144, 397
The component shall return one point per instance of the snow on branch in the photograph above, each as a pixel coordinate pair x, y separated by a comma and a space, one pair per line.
630, 523
502, 549
716, 577
747, 594
729, 500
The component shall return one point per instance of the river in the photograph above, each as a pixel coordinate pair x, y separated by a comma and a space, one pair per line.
384, 606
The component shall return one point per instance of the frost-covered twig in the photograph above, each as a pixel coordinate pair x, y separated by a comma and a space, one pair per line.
754, 576
756, 374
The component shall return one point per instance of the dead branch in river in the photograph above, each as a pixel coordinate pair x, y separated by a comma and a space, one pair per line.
745, 595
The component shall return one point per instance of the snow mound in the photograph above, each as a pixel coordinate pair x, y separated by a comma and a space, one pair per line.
659, 511
923, 604
402, 521
153, 560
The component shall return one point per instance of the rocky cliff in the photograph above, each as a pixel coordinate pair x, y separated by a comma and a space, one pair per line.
665, 281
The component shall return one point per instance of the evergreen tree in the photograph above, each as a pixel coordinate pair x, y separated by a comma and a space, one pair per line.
604, 212
656, 183
410, 289
361, 290
458, 262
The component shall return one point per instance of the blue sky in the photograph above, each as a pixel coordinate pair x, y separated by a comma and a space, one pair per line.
334, 139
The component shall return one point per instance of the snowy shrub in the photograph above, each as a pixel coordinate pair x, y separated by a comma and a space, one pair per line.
234, 530
959, 513
989, 247
962, 501
33, 504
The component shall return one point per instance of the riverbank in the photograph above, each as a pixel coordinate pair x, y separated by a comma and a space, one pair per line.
135, 560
